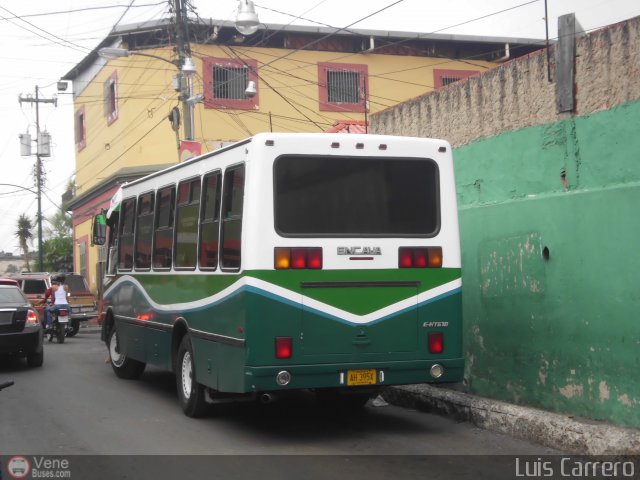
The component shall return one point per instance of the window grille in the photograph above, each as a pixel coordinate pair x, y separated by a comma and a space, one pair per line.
229, 82
343, 87
110, 89
449, 80
80, 128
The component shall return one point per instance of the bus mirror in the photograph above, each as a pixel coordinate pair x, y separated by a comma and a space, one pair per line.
99, 229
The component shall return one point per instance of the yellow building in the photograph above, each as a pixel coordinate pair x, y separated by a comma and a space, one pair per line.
129, 111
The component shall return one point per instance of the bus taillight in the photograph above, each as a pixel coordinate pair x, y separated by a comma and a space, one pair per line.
436, 342
284, 347
420, 257
314, 258
297, 258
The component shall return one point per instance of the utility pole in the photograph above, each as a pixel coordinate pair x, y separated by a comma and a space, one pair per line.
40, 152
186, 71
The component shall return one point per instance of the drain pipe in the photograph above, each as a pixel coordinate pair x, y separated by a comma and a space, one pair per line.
372, 45
506, 54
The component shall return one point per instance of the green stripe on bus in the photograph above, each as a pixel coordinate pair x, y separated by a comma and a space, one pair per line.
361, 300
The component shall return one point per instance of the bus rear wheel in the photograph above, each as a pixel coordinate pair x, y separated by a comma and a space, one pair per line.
190, 393
123, 366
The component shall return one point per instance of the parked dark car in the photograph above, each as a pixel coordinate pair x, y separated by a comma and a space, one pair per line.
20, 328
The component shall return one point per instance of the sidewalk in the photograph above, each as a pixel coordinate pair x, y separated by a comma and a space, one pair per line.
570, 435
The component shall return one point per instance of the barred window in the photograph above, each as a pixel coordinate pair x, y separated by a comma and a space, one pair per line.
226, 81
442, 78
342, 87
449, 80
111, 98
229, 82
80, 128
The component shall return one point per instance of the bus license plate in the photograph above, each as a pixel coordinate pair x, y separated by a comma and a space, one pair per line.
361, 377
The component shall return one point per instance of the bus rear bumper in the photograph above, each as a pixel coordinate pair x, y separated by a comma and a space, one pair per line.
382, 374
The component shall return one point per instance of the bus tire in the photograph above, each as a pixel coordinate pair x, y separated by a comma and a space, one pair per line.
123, 367
190, 393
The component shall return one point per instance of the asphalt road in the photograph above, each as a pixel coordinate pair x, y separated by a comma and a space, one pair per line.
75, 406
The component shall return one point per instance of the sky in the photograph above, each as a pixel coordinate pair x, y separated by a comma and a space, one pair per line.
40, 41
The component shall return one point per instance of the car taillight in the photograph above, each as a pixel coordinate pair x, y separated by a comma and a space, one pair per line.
284, 347
297, 258
420, 257
32, 318
436, 342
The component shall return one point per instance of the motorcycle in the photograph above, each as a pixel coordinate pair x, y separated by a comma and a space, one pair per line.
60, 325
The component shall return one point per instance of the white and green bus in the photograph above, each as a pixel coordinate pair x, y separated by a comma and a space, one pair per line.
324, 262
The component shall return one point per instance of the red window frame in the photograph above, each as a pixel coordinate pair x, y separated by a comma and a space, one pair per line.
80, 128
210, 101
439, 74
325, 104
111, 98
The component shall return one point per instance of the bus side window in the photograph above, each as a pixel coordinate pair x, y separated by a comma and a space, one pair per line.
112, 236
163, 233
125, 234
186, 242
210, 220
232, 203
144, 232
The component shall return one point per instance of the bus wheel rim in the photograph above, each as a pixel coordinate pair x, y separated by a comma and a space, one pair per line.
116, 358
187, 373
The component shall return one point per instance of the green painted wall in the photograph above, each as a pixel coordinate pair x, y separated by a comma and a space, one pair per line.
558, 331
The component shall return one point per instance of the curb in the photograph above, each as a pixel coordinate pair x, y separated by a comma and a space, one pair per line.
552, 430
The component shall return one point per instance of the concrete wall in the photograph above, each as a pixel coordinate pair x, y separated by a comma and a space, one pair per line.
549, 225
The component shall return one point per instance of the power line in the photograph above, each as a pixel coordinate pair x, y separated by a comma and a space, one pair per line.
122, 16
70, 44
86, 9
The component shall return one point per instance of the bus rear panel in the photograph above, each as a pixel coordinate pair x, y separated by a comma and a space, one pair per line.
291, 261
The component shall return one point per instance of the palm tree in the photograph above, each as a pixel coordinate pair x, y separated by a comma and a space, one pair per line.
24, 235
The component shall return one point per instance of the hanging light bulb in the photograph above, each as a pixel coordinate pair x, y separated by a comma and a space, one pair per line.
251, 91
247, 20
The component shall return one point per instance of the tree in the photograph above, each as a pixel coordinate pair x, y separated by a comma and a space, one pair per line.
58, 247
59, 225
58, 254
24, 235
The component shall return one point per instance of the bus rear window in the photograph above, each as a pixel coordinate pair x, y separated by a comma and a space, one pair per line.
356, 196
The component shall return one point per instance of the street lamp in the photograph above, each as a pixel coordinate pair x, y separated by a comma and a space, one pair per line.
247, 20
